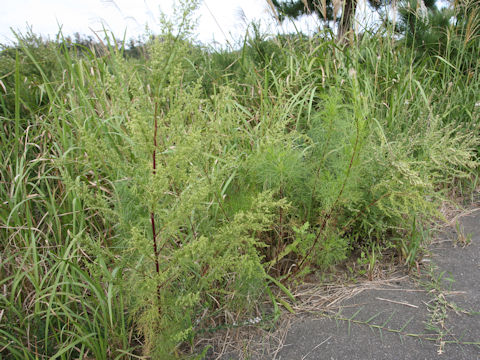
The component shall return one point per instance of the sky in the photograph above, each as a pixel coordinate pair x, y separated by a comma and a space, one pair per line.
220, 21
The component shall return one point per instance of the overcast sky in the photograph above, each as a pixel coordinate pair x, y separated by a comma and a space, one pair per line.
219, 20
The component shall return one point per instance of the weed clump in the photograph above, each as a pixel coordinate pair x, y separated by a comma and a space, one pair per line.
150, 200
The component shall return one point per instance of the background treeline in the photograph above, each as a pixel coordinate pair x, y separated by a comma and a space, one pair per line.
150, 193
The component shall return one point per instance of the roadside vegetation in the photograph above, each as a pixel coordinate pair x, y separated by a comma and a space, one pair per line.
152, 193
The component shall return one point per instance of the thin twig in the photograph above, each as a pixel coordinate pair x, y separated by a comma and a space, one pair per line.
323, 342
398, 302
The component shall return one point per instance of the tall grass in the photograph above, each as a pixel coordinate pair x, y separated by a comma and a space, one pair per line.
144, 202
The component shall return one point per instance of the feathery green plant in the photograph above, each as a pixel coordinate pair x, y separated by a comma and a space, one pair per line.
146, 201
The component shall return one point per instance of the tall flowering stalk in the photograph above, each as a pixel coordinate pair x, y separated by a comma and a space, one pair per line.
152, 212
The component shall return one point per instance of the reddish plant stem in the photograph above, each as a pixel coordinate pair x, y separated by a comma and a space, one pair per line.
152, 213
155, 250
329, 215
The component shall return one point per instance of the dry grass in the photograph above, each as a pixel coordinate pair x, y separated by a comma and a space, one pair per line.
246, 342
314, 298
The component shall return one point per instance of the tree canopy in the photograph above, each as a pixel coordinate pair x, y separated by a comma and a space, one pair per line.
339, 11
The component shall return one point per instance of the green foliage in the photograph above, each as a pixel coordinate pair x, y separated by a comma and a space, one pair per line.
149, 200
31, 87
452, 32
425, 27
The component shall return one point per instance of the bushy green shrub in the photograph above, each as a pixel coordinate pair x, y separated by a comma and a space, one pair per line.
167, 194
